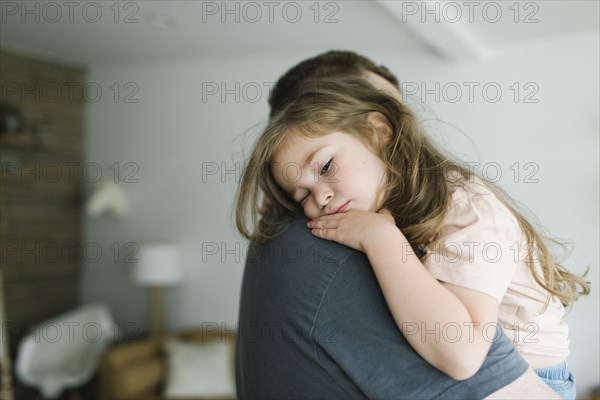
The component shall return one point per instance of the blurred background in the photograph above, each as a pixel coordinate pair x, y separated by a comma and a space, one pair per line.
125, 125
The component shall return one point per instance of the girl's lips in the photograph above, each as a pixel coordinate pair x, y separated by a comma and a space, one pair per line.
342, 208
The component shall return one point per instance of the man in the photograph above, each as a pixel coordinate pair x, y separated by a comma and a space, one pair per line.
314, 324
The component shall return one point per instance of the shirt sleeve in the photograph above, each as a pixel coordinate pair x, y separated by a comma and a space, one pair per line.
478, 243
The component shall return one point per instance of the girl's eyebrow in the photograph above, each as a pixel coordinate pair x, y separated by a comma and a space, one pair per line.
310, 157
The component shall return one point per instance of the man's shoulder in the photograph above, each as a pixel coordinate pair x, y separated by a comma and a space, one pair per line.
296, 245
294, 270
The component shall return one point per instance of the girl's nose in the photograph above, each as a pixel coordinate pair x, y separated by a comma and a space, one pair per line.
323, 198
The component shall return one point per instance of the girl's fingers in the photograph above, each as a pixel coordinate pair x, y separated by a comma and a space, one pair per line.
321, 224
317, 232
331, 217
323, 233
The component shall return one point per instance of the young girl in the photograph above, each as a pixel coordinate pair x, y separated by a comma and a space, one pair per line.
450, 253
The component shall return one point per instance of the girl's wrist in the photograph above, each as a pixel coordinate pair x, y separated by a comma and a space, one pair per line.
384, 239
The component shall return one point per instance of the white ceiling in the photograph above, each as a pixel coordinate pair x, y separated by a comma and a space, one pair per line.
198, 31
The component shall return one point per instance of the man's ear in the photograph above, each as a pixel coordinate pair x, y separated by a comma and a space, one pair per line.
381, 125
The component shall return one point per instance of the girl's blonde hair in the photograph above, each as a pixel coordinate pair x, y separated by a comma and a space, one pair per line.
419, 187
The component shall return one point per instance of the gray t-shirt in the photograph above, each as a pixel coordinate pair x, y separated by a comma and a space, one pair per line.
314, 324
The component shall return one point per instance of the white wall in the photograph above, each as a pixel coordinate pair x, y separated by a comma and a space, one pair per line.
171, 132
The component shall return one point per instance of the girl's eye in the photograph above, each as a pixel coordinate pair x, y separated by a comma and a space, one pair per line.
326, 167
304, 198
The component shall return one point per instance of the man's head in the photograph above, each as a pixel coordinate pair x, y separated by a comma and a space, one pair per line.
332, 64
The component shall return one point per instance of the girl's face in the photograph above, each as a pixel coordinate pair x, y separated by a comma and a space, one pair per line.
330, 174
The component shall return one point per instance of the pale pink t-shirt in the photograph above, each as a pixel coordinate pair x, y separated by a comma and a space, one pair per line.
482, 247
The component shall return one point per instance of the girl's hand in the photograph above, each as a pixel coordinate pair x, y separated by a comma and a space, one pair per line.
356, 229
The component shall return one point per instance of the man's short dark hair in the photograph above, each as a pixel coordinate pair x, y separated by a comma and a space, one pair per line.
333, 63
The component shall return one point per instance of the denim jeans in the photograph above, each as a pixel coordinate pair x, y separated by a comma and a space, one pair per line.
560, 379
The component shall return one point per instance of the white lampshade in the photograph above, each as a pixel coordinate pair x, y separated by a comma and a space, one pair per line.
158, 265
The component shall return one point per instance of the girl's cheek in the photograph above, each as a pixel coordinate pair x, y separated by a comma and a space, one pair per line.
308, 213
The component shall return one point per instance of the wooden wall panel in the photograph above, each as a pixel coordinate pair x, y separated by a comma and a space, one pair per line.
39, 213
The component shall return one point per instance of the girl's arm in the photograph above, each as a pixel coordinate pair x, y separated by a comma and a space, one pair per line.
451, 327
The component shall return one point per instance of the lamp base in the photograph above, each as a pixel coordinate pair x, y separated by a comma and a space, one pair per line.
156, 312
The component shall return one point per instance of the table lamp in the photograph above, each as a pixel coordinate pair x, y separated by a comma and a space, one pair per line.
157, 267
